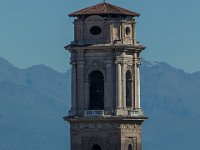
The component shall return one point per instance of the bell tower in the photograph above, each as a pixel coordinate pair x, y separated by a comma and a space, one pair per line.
105, 58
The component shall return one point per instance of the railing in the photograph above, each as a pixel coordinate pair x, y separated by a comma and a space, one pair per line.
101, 113
94, 113
136, 113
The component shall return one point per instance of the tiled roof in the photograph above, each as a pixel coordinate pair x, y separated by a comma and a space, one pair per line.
104, 9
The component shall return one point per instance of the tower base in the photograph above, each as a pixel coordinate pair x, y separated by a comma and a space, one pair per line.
101, 133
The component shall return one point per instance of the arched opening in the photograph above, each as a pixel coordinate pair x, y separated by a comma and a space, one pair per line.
96, 147
130, 147
96, 90
129, 89
128, 30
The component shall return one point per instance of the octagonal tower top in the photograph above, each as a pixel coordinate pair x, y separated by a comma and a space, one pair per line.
104, 24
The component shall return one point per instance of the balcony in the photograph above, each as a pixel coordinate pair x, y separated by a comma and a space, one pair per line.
94, 113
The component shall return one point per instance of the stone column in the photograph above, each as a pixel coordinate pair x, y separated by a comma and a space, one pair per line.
81, 29
137, 81
80, 83
123, 84
109, 87
73, 88
111, 32
122, 32
118, 85
134, 34
138, 71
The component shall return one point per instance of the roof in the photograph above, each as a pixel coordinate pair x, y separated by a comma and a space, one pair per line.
104, 9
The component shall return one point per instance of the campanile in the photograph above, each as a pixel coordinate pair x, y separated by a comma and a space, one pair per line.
105, 57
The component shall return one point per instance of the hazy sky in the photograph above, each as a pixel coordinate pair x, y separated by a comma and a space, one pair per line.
35, 31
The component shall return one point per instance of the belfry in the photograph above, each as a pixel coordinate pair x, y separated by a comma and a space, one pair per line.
105, 58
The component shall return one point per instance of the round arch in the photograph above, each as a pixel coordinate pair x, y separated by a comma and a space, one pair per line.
130, 147
96, 68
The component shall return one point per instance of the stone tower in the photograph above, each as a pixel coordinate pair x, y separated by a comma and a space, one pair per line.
105, 58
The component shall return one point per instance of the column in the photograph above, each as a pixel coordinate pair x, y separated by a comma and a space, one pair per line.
118, 85
123, 84
122, 32
138, 71
73, 88
80, 83
82, 32
109, 87
134, 34
137, 81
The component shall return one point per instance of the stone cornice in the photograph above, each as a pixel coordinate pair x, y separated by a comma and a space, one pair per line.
138, 119
104, 47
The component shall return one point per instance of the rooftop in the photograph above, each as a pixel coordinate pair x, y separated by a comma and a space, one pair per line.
104, 9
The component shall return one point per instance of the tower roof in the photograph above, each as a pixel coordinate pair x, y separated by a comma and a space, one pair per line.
104, 9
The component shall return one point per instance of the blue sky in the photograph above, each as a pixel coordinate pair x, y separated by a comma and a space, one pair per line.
35, 31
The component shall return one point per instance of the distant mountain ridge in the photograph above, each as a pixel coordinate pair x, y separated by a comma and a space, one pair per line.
32, 104
34, 100
171, 98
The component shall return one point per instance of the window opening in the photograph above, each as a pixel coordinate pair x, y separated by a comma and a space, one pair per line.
130, 147
96, 90
128, 30
96, 147
128, 89
95, 30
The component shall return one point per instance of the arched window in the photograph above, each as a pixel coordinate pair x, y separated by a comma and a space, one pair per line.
130, 147
129, 89
96, 147
96, 90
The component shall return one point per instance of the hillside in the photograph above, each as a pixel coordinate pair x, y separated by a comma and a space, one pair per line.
32, 104
171, 99
34, 100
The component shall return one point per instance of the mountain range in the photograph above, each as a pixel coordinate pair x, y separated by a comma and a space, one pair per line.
34, 100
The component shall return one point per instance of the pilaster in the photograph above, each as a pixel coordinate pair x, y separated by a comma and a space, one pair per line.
123, 84
73, 87
109, 102
137, 80
80, 82
118, 88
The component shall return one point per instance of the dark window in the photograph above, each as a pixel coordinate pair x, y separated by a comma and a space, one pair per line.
128, 30
130, 147
128, 89
95, 30
96, 147
96, 90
